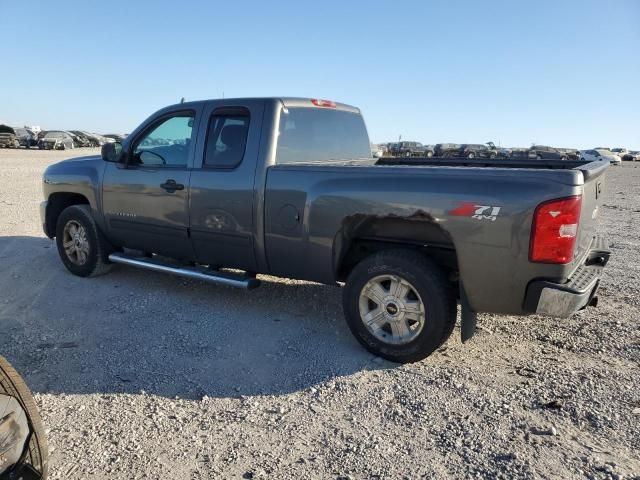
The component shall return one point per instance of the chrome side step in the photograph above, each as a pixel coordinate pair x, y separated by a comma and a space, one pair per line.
220, 278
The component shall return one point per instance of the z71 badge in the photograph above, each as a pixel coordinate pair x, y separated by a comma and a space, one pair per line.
479, 212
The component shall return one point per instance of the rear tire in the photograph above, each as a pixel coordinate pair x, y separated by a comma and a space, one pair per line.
82, 247
11, 384
425, 283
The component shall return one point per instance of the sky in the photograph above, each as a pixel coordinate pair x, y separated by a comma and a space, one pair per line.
562, 73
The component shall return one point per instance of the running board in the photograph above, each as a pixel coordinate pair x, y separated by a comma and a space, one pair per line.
220, 278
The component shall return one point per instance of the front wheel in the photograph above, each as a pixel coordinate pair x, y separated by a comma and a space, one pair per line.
399, 305
81, 245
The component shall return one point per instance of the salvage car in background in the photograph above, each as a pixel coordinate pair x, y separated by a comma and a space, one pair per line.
544, 152
116, 137
571, 153
411, 149
447, 149
8, 138
26, 138
56, 140
600, 154
476, 150
626, 155
83, 139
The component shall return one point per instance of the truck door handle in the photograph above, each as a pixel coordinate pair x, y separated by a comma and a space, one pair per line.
171, 186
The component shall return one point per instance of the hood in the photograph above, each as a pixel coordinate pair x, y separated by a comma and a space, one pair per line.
7, 129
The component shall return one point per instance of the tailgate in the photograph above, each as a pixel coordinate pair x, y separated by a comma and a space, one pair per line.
592, 194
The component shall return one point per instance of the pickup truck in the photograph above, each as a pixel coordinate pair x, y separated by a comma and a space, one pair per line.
223, 190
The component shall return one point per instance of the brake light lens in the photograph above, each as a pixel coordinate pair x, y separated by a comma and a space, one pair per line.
318, 102
554, 231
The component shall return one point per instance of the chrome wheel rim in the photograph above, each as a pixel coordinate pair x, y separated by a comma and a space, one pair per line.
391, 309
75, 242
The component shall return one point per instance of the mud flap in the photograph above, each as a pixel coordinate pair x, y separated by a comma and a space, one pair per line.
468, 318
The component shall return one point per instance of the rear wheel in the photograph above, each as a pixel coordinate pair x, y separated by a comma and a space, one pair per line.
81, 245
399, 305
16, 402
471, 155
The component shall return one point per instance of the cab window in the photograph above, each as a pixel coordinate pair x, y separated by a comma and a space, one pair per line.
166, 144
226, 139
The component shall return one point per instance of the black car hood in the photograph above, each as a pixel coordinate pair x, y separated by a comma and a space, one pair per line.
7, 129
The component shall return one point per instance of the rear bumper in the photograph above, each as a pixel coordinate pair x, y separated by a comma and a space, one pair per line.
579, 291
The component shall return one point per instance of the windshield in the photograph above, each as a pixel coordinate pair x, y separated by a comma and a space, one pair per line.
321, 134
603, 151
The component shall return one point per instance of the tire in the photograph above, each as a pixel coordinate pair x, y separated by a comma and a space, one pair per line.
538, 157
429, 154
471, 155
11, 384
428, 286
95, 248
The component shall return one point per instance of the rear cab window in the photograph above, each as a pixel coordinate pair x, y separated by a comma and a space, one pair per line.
310, 134
226, 138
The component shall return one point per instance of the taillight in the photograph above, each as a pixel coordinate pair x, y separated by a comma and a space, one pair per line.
323, 103
554, 231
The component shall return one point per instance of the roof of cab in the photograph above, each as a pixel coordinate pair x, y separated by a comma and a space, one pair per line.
286, 102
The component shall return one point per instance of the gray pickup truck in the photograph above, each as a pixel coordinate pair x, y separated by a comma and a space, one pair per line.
287, 187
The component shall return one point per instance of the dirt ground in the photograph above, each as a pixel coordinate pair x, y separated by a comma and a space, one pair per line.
142, 375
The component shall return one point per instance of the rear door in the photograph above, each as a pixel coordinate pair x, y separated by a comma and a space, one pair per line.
145, 201
222, 221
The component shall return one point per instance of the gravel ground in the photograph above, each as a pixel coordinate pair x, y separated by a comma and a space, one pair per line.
142, 375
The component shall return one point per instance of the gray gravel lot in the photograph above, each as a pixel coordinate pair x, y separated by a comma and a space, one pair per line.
142, 375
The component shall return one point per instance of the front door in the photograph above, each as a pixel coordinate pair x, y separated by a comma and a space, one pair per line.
222, 184
145, 201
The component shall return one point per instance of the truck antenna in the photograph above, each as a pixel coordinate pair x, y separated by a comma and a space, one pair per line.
182, 100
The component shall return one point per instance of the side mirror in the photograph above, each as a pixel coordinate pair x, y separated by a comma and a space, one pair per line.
111, 152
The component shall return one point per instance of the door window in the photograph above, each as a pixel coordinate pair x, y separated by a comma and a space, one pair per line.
226, 140
166, 144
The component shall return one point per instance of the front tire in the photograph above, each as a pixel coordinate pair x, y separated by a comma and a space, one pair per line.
81, 245
399, 305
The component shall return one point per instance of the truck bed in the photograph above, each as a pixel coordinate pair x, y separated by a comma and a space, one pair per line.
589, 169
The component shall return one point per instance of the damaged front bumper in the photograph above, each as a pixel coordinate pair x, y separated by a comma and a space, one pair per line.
579, 291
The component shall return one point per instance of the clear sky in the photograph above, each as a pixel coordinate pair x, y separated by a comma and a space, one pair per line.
564, 73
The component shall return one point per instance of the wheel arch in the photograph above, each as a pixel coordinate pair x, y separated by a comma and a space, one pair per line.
364, 235
56, 204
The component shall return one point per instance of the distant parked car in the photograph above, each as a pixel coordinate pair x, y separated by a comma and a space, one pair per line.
56, 140
447, 149
26, 137
473, 150
115, 136
632, 156
626, 155
8, 138
571, 153
81, 139
544, 152
97, 140
410, 149
600, 154
77, 142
